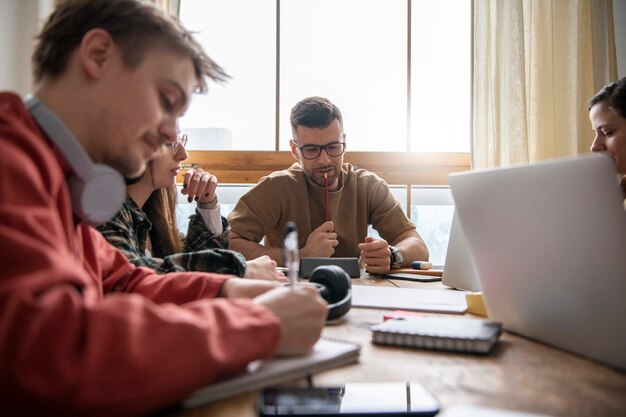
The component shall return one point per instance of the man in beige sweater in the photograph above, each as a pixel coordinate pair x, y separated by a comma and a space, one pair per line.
331, 202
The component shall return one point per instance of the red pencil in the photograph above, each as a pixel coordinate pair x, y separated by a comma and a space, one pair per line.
326, 194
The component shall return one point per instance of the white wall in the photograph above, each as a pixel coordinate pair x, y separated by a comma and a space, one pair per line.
19, 24
619, 21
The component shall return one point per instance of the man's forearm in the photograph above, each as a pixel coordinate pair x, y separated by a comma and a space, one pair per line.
413, 248
252, 250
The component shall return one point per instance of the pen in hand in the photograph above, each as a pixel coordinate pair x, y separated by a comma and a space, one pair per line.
290, 253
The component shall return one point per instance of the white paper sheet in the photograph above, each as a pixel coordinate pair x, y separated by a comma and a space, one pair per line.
434, 300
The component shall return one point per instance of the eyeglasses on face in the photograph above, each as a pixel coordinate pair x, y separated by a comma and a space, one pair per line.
181, 140
332, 149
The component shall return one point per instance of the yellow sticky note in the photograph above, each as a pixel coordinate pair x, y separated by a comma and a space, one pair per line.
475, 304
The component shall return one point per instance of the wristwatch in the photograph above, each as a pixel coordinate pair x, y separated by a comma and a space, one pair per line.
396, 258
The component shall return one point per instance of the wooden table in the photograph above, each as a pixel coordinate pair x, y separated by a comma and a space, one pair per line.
520, 374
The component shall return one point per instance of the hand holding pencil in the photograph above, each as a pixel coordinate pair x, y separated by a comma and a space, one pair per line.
321, 242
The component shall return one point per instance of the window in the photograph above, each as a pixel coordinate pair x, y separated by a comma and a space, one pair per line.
355, 52
240, 35
431, 212
440, 75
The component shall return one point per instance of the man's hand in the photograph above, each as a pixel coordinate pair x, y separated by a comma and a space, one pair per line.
302, 313
321, 242
376, 255
246, 288
264, 267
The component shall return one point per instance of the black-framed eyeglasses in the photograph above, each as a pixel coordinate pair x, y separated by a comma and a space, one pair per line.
332, 149
181, 140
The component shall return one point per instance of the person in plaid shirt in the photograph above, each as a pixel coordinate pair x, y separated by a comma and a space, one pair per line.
145, 228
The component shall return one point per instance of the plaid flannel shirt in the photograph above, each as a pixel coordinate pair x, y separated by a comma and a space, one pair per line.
204, 251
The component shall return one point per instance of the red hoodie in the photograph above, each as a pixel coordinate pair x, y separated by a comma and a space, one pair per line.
82, 330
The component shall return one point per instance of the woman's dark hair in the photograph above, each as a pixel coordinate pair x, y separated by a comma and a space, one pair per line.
160, 210
612, 95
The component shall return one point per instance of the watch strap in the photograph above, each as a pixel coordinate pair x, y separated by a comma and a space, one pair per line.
396, 258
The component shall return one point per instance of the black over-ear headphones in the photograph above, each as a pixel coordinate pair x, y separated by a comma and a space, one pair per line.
97, 191
335, 287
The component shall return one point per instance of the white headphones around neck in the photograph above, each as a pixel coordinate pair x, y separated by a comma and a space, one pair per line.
97, 191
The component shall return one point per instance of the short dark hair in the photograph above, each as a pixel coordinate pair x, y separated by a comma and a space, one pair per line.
135, 27
316, 112
612, 95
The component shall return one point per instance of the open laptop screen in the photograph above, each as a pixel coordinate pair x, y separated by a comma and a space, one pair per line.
549, 246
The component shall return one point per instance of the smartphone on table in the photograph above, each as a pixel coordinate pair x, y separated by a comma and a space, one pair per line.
356, 399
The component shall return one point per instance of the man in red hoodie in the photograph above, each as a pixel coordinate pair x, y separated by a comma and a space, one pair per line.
82, 330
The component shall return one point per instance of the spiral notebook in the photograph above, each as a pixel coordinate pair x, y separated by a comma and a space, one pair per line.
451, 334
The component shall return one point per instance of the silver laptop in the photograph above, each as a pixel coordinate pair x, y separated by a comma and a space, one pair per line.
549, 247
458, 270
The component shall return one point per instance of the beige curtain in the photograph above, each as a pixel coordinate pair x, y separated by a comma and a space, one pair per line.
536, 65
172, 6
